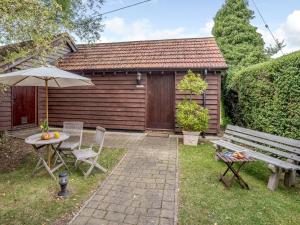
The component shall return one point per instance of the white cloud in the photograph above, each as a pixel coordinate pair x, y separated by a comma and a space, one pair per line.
115, 25
117, 29
289, 31
206, 30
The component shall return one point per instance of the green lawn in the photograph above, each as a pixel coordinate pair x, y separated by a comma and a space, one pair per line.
26, 200
204, 200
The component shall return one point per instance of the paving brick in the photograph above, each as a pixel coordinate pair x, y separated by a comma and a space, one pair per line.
87, 212
164, 221
92, 204
131, 219
168, 205
98, 213
160, 181
135, 203
169, 195
103, 205
148, 220
114, 223
170, 187
130, 210
153, 212
80, 220
115, 216
167, 213
116, 208
95, 221
140, 211
98, 197
160, 186
127, 203
150, 185
107, 186
156, 204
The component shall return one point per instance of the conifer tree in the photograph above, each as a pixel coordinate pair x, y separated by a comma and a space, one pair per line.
240, 44
239, 41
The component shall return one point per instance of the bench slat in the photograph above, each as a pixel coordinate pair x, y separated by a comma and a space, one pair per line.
257, 155
263, 148
270, 137
264, 141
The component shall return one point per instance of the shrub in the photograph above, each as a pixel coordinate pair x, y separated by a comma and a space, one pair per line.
190, 115
269, 96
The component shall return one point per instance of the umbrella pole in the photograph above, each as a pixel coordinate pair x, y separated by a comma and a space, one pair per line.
46, 98
46, 89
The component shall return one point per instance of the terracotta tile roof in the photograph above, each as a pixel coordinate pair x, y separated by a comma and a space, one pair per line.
157, 54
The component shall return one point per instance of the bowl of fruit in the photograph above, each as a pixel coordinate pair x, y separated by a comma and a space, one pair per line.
46, 136
239, 155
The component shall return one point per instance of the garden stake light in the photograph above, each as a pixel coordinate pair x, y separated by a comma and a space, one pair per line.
63, 181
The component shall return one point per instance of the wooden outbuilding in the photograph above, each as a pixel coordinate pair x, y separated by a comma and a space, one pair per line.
135, 85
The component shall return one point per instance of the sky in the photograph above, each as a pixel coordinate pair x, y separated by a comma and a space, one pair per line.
164, 19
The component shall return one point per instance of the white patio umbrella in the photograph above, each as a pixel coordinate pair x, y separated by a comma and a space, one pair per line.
45, 76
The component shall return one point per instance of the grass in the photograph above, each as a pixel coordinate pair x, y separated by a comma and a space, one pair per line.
27, 200
204, 200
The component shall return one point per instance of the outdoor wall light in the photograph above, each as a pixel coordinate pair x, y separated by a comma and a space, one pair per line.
139, 80
63, 181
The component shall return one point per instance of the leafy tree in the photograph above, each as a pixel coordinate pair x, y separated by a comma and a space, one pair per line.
240, 44
38, 22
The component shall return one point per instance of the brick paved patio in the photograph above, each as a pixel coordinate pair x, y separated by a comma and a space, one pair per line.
142, 188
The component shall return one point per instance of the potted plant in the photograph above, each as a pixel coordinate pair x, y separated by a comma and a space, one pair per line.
191, 117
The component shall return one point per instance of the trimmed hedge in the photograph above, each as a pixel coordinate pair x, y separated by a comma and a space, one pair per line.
269, 96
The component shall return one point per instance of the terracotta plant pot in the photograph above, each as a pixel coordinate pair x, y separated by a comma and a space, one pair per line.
190, 138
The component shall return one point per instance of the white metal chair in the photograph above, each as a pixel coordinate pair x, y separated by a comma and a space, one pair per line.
75, 130
88, 155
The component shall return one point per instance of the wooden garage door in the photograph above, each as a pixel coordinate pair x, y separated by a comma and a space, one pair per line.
160, 103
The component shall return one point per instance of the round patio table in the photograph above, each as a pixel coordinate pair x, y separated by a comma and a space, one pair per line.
52, 144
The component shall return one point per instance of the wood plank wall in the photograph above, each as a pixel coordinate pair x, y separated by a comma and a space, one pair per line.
50, 59
5, 110
114, 102
212, 98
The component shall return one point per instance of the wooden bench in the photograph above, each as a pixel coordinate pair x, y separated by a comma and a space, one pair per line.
280, 153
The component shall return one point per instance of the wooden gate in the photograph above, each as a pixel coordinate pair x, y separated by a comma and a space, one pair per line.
160, 101
24, 105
